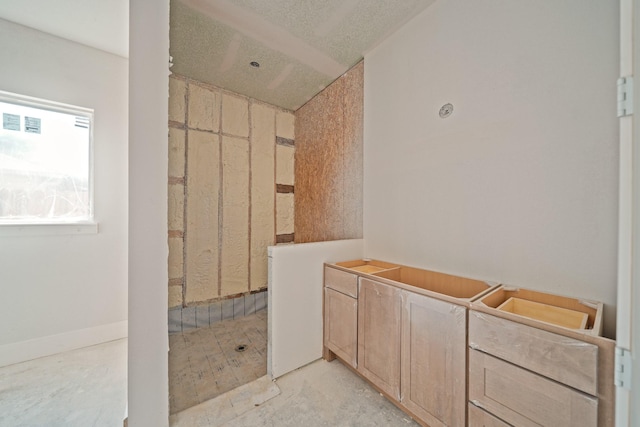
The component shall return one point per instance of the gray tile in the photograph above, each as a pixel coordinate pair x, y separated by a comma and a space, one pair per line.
249, 304
202, 316
175, 320
215, 312
227, 309
238, 307
188, 318
260, 301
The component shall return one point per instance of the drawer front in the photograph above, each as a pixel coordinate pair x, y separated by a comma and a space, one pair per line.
525, 399
341, 281
341, 325
480, 418
566, 360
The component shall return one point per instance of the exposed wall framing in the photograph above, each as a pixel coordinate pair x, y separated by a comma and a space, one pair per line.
227, 155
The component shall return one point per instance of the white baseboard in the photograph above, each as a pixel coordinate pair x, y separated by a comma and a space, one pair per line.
53, 344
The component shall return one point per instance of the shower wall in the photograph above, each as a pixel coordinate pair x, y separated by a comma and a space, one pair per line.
231, 187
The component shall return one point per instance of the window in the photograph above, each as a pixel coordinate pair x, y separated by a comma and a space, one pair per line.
45, 162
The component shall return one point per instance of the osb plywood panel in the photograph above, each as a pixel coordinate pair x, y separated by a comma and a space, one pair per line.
318, 167
203, 107
262, 191
203, 184
353, 147
234, 267
328, 162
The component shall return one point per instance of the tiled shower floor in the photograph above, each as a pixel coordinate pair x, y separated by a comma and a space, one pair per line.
204, 363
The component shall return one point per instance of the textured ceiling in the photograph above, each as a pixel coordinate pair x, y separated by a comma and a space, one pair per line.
301, 45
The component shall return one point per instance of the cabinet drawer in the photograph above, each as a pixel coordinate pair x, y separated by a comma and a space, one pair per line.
525, 399
341, 281
566, 360
481, 418
341, 325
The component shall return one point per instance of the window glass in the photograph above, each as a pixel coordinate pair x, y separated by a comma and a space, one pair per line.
45, 161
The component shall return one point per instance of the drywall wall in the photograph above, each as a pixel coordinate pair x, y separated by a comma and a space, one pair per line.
519, 184
296, 274
66, 290
227, 158
148, 351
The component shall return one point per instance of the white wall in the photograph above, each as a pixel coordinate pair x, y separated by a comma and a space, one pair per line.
148, 379
68, 291
296, 274
519, 185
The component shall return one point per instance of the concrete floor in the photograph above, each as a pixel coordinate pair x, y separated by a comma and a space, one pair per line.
204, 363
87, 387
79, 388
319, 394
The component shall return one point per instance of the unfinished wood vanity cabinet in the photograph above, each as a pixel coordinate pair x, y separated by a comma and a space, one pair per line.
531, 368
341, 307
411, 334
341, 314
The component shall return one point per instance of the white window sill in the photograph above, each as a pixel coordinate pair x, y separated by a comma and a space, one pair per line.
48, 229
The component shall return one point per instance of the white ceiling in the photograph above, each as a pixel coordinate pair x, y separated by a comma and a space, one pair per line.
301, 45
102, 24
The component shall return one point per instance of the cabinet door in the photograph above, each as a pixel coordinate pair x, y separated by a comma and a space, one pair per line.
341, 325
379, 320
434, 360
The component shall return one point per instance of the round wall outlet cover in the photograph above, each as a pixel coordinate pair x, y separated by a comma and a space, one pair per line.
446, 110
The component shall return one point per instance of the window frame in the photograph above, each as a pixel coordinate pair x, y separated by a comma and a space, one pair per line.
48, 226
